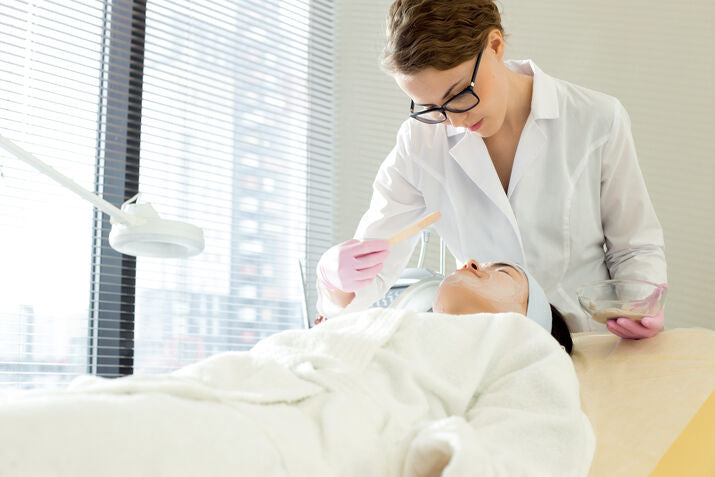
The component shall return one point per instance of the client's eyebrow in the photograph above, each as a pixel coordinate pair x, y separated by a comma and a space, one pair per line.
504, 264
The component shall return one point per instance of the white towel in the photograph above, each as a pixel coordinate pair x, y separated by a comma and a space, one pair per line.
381, 392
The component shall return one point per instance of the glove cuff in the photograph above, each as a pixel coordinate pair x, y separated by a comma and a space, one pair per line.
324, 280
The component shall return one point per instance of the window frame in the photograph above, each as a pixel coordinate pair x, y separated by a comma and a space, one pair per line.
113, 275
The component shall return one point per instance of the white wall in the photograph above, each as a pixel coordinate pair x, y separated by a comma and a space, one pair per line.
657, 57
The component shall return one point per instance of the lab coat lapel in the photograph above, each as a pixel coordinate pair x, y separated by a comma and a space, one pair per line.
473, 157
544, 106
531, 145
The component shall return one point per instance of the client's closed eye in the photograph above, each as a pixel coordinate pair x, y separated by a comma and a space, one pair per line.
506, 268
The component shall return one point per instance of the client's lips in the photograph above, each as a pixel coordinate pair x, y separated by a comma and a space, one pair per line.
476, 126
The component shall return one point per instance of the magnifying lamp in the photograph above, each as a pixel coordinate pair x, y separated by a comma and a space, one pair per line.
137, 229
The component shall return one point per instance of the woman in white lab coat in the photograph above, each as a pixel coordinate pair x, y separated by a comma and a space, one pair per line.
524, 168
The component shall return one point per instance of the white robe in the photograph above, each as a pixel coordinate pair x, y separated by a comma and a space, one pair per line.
379, 393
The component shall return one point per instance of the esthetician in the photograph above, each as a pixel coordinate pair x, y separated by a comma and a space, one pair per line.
524, 168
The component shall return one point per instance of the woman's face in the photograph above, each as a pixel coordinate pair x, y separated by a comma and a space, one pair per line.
485, 288
430, 87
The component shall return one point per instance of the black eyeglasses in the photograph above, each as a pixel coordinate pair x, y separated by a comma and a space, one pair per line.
459, 103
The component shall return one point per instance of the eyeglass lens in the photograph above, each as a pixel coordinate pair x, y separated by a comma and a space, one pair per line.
459, 104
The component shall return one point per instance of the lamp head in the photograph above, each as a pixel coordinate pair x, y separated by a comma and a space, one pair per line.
136, 229
148, 235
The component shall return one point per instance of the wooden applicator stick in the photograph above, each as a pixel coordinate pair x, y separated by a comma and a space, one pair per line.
414, 228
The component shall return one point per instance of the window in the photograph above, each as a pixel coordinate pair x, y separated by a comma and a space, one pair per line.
219, 113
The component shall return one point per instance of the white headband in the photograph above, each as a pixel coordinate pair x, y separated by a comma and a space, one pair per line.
538, 308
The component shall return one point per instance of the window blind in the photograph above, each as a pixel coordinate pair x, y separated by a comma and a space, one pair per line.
219, 114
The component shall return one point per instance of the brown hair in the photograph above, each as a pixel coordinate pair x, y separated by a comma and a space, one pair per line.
437, 33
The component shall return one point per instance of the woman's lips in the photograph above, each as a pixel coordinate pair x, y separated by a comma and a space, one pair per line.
476, 126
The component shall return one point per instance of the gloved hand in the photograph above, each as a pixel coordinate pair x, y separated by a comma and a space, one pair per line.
352, 265
648, 327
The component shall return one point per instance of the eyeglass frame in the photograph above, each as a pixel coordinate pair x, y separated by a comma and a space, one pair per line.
443, 109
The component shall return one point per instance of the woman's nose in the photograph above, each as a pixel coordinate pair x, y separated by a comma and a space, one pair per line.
457, 120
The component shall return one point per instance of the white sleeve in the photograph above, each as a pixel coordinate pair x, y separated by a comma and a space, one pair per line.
634, 237
396, 203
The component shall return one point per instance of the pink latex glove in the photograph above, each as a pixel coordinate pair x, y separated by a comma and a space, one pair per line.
352, 265
648, 327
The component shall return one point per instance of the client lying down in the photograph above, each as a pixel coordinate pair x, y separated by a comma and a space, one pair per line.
375, 393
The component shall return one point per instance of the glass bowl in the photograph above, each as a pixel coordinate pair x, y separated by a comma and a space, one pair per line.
632, 299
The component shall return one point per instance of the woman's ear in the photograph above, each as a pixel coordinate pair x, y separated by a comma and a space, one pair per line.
559, 330
495, 43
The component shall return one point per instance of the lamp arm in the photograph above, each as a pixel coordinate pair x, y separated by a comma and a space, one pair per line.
115, 213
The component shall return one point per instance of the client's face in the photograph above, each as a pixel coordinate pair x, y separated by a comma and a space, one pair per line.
485, 288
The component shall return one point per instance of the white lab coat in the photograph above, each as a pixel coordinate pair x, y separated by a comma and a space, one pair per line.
577, 209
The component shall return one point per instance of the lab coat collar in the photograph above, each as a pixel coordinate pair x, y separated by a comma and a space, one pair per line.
544, 100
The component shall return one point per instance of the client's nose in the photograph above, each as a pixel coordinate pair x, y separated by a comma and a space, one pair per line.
471, 263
